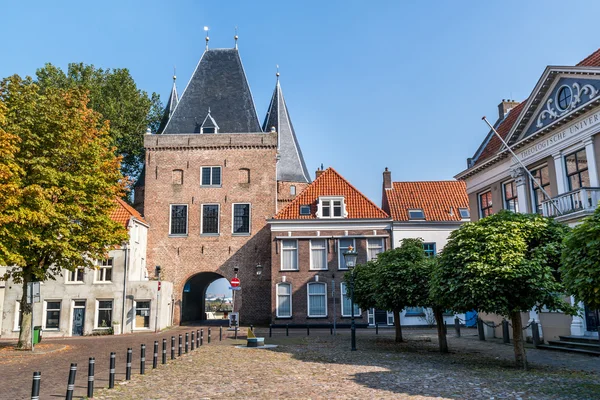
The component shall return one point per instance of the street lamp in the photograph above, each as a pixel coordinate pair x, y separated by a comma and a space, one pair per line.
350, 260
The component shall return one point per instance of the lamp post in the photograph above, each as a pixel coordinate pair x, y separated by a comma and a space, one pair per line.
350, 260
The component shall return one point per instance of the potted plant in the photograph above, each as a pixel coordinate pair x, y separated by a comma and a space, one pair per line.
116, 325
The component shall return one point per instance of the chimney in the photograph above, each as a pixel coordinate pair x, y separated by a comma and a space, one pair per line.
387, 179
505, 107
319, 172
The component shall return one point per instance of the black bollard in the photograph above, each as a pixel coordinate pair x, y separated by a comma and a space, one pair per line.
128, 364
111, 371
252, 327
35, 386
172, 347
143, 359
480, 329
180, 347
457, 326
270, 330
164, 351
376, 328
187, 342
201, 336
445, 328
287, 329
220, 333
209, 335
71, 383
307, 330
155, 356
331, 329
90, 387
198, 338
193, 341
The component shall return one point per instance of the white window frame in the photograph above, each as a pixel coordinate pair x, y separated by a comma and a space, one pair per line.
45, 316
301, 207
416, 218
211, 184
342, 295
68, 273
233, 220
289, 249
135, 309
277, 300
102, 271
218, 219
370, 246
341, 252
187, 220
325, 263
505, 200
112, 311
308, 299
330, 200
467, 210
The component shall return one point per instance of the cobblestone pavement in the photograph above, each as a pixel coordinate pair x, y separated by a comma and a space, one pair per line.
322, 367
318, 366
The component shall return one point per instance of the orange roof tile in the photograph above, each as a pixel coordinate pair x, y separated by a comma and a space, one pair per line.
435, 198
123, 212
331, 183
593, 60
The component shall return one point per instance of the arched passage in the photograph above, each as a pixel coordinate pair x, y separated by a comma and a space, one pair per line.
194, 296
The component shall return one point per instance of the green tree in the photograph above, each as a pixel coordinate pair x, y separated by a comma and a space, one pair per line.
503, 264
580, 267
64, 179
114, 94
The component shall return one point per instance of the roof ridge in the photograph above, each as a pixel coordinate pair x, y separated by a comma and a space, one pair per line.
358, 191
590, 57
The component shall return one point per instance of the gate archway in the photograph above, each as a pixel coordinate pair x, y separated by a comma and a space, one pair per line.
193, 306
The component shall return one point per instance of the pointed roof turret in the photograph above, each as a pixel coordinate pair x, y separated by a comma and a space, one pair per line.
219, 82
209, 125
170, 107
291, 166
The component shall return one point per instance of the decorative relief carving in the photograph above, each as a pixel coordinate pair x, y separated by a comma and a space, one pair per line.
566, 99
519, 175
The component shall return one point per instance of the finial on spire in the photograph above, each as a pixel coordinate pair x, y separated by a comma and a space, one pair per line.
207, 38
209, 110
277, 73
236, 37
174, 74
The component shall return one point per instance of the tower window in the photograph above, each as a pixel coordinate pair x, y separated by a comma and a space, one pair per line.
293, 190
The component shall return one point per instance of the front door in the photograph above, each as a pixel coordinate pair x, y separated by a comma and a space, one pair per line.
78, 318
592, 319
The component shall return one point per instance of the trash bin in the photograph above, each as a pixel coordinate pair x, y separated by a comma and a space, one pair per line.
37, 334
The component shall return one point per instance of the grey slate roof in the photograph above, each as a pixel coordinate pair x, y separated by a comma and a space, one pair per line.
219, 83
169, 108
291, 166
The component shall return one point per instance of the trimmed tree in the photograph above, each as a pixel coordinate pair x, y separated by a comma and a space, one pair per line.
63, 177
503, 264
580, 267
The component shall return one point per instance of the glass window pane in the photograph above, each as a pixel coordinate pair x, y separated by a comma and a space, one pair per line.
205, 175
210, 218
283, 289
178, 219
571, 163
241, 218
216, 175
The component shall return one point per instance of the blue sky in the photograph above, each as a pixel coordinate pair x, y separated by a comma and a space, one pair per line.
369, 85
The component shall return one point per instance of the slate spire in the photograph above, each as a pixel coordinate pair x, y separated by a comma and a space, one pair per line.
170, 107
291, 166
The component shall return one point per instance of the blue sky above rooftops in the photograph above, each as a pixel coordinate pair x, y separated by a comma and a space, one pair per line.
369, 85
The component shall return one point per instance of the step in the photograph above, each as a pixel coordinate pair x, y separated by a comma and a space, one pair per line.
576, 345
570, 350
580, 339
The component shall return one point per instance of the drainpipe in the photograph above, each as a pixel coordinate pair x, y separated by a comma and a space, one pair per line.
126, 249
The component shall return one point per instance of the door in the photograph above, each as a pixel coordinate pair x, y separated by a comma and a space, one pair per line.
592, 319
78, 318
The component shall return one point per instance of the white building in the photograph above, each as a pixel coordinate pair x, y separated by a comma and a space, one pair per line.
117, 294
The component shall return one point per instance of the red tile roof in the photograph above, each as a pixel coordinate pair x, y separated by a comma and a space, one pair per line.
331, 183
435, 198
123, 212
494, 145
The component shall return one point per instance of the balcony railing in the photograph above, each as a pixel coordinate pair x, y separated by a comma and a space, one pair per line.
583, 199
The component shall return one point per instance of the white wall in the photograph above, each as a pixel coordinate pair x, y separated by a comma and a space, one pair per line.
428, 231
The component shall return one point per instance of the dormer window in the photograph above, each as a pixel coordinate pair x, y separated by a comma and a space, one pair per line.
209, 125
416, 213
208, 129
332, 207
464, 213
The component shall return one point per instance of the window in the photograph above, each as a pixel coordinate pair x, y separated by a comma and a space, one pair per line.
207, 129
289, 255
347, 303
241, 218
210, 219
284, 300
416, 214
542, 177
565, 96
75, 276
429, 249
142, 314
211, 176
104, 317
105, 271
577, 170
304, 210
414, 311
177, 177
318, 254
374, 247
317, 299
343, 246
178, 219
332, 207
464, 213
511, 202
485, 204
52, 314
293, 190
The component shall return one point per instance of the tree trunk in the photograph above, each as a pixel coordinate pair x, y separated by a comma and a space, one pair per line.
398, 326
441, 331
518, 343
24, 342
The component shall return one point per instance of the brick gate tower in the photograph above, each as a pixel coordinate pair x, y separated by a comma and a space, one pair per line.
212, 177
